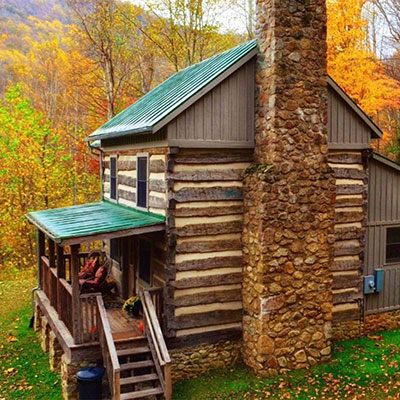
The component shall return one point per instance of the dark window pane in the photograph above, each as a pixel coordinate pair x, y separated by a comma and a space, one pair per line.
142, 182
115, 253
145, 261
392, 245
113, 178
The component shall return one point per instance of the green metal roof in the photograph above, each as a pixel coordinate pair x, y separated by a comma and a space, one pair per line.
88, 220
154, 106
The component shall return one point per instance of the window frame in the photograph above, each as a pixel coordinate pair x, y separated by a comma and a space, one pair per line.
385, 262
118, 262
142, 282
147, 157
115, 157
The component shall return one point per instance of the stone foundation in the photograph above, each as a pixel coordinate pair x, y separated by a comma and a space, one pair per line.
192, 362
44, 334
373, 323
69, 382
55, 353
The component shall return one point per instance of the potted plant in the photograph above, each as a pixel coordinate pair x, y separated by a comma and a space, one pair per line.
133, 306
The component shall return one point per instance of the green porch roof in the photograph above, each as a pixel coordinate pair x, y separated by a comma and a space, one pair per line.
95, 221
153, 107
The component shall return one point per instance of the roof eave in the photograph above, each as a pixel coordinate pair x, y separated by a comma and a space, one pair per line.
387, 161
111, 135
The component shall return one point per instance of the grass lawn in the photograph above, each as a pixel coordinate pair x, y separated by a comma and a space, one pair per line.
367, 368
24, 368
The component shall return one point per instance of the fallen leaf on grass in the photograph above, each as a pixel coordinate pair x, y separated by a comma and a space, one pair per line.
377, 338
12, 338
10, 371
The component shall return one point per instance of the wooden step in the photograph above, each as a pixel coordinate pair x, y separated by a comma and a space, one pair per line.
137, 364
138, 379
129, 343
141, 394
133, 351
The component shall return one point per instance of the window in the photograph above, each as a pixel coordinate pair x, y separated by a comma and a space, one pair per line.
145, 261
392, 245
115, 251
141, 200
113, 178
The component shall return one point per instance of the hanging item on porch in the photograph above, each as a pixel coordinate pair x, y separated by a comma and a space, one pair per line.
133, 306
141, 326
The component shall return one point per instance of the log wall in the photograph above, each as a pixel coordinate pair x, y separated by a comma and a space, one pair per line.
351, 174
126, 179
204, 242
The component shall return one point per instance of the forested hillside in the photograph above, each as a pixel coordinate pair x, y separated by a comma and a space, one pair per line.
66, 66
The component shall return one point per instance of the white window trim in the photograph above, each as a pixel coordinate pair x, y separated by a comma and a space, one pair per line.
116, 179
142, 155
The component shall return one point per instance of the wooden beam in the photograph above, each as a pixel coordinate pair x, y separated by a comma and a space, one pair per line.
40, 249
52, 259
210, 263
76, 304
113, 235
125, 251
206, 319
60, 275
208, 193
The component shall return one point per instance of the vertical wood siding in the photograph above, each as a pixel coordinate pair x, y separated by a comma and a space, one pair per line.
225, 114
344, 125
383, 212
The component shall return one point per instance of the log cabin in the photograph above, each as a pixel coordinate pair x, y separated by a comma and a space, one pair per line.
180, 222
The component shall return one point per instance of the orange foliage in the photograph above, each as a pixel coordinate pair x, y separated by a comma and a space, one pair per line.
353, 66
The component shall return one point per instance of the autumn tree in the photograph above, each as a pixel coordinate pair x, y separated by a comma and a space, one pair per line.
184, 31
350, 62
105, 38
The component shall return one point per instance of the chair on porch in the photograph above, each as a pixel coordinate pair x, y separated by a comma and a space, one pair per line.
98, 283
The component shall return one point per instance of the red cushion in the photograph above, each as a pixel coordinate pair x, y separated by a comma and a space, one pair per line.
89, 269
101, 274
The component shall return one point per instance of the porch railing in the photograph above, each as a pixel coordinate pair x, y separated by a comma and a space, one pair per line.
59, 292
109, 352
156, 342
90, 317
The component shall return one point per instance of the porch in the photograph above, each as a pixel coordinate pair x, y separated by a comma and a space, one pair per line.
86, 325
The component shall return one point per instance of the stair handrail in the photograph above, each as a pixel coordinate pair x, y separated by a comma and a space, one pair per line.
157, 344
109, 352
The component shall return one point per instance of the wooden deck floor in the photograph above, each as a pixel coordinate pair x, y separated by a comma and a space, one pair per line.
123, 326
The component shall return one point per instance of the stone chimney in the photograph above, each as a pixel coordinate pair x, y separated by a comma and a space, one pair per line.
288, 232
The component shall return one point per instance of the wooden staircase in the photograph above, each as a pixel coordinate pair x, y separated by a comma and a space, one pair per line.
137, 368
139, 378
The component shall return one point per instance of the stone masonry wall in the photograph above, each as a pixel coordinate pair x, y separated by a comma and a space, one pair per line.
191, 362
372, 324
288, 233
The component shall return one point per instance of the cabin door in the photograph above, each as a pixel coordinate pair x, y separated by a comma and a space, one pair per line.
142, 253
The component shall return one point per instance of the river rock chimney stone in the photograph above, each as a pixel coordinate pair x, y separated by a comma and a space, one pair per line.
289, 194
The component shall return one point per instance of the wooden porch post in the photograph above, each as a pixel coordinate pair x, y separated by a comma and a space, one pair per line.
76, 303
60, 275
40, 249
52, 264
125, 243
52, 260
